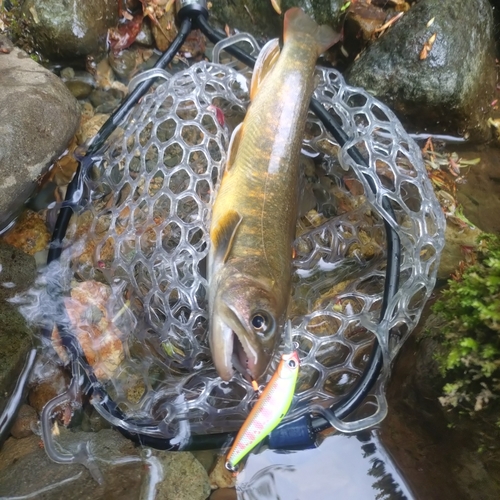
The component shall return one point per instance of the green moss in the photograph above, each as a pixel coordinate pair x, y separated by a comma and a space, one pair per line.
470, 361
16, 28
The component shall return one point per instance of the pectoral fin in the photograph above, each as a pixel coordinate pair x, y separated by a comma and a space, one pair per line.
264, 64
233, 146
222, 235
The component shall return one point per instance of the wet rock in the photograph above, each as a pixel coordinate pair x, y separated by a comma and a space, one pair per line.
38, 117
362, 21
15, 341
72, 28
105, 101
46, 382
30, 233
124, 63
224, 494
456, 239
220, 477
180, 475
79, 83
259, 18
206, 458
25, 421
93, 422
480, 195
145, 36
25, 469
105, 77
17, 271
185, 478
90, 127
446, 88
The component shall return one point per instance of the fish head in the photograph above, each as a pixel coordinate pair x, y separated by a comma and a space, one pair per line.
246, 322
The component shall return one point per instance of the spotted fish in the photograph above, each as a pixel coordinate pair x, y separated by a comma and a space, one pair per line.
255, 210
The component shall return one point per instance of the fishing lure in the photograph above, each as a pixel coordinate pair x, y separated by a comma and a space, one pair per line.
269, 410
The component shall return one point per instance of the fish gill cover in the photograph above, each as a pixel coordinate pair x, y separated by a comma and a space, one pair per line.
133, 268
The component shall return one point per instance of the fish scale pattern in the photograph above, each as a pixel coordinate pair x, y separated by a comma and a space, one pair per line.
143, 230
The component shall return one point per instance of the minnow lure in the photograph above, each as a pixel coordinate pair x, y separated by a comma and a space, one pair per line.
271, 407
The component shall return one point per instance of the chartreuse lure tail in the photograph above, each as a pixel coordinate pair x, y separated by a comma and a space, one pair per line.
269, 410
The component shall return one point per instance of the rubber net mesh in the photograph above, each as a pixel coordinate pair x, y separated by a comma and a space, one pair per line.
136, 250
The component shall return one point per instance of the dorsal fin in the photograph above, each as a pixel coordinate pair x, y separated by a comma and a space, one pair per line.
234, 143
222, 235
264, 64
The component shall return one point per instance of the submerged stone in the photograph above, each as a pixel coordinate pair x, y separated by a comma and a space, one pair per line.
446, 88
17, 273
174, 475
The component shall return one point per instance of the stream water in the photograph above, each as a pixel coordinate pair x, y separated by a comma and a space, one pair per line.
343, 467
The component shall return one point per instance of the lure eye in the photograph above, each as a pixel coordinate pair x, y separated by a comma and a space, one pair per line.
292, 363
261, 322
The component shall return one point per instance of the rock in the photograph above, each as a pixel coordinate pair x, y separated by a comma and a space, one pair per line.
25, 469
30, 233
17, 271
185, 478
24, 423
480, 195
259, 18
105, 101
206, 458
93, 422
89, 127
38, 117
124, 63
14, 449
448, 91
145, 37
361, 22
220, 477
46, 382
456, 238
72, 28
28, 471
224, 494
79, 83
15, 341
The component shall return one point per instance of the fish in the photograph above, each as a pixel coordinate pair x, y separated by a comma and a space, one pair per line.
272, 405
255, 209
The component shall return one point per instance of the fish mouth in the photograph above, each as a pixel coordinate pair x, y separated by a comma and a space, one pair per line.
231, 350
241, 360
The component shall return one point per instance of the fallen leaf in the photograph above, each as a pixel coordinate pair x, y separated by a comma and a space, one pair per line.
427, 47
276, 5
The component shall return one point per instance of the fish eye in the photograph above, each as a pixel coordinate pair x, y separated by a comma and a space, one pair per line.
261, 322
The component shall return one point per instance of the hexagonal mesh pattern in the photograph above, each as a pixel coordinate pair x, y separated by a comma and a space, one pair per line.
144, 232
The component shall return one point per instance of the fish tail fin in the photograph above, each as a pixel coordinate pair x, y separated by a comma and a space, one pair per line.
297, 23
